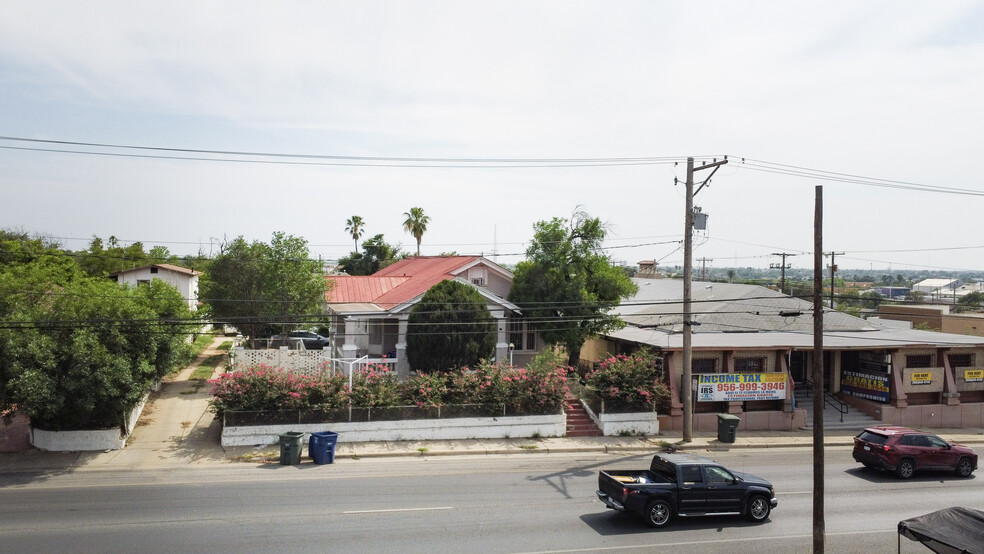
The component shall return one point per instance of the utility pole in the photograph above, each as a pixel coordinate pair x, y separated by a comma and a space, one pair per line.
783, 267
818, 475
833, 269
703, 267
686, 387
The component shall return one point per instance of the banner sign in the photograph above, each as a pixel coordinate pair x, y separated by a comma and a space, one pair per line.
974, 375
740, 387
870, 386
921, 378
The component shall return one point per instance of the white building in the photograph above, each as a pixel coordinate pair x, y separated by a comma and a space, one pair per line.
181, 278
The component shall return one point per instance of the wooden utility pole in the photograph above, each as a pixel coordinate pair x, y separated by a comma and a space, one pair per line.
833, 269
784, 267
703, 267
686, 387
818, 480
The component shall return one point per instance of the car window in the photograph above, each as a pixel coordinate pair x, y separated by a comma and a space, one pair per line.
936, 442
873, 438
691, 474
917, 440
717, 476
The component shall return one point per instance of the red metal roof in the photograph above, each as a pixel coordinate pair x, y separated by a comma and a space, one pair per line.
399, 282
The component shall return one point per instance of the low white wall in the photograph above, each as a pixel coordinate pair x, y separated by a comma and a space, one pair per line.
640, 423
421, 429
633, 423
90, 439
75, 441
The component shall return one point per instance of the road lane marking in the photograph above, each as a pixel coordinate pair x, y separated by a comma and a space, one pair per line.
398, 510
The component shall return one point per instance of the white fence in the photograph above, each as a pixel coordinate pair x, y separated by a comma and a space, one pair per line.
307, 362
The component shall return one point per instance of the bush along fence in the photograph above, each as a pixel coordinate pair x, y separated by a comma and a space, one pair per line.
623, 392
490, 401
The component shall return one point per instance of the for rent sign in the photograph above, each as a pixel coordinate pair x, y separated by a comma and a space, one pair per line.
740, 387
872, 386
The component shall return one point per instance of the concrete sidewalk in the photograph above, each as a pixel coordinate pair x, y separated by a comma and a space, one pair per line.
176, 429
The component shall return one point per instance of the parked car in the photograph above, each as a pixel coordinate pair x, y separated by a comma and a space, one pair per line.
310, 339
905, 451
684, 485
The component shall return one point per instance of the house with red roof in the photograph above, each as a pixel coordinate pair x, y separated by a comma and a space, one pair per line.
369, 314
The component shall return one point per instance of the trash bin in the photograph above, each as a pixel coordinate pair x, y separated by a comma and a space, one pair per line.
290, 448
321, 447
727, 427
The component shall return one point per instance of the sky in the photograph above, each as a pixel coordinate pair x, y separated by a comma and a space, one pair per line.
372, 108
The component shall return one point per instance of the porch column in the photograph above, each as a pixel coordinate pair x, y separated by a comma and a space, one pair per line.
950, 395
673, 376
501, 344
898, 384
350, 347
402, 363
782, 367
733, 408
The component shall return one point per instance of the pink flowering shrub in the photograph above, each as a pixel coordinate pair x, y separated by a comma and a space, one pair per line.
375, 386
629, 382
263, 388
536, 390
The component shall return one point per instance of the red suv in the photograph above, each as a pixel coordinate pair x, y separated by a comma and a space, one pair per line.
905, 451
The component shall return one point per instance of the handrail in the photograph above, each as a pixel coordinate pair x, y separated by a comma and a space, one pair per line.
830, 400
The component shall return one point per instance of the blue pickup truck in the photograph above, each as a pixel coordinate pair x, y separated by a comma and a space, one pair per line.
684, 485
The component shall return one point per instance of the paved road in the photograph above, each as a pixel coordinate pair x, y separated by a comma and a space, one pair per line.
533, 503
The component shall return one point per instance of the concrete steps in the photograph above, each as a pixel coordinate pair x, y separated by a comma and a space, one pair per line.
853, 420
579, 423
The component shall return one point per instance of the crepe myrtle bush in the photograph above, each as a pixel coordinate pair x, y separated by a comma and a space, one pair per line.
629, 382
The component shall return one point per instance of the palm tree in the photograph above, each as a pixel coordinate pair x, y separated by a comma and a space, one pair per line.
416, 224
353, 226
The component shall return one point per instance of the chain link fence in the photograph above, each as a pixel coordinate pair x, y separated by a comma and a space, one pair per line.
383, 413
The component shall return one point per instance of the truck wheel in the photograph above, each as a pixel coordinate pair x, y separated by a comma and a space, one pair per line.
965, 467
906, 468
658, 513
758, 509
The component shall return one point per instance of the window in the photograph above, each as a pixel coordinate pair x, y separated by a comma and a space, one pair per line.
718, 476
143, 282
961, 360
919, 361
936, 442
478, 281
521, 335
751, 365
153, 270
703, 365
691, 474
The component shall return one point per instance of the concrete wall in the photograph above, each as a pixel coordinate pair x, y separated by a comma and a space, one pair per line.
88, 440
752, 421
939, 416
423, 429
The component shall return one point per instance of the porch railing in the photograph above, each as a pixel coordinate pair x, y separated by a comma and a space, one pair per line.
829, 400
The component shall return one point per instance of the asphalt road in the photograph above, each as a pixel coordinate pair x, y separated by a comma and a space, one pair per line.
517, 503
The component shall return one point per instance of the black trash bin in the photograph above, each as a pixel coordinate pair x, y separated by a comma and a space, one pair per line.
727, 427
321, 447
290, 448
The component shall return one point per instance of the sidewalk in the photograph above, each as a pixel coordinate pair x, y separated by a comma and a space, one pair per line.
176, 429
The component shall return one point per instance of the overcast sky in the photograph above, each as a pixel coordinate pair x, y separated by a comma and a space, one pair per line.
890, 91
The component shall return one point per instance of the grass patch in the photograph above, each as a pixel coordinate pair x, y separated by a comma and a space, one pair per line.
227, 345
528, 446
207, 367
423, 449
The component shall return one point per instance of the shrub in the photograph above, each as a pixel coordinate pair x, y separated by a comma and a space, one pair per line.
375, 386
262, 388
629, 383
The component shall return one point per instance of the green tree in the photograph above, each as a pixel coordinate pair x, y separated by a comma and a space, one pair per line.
416, 224
975, 298
376, 254
566, 286
449, 328
354, 226
78, 352
262, 288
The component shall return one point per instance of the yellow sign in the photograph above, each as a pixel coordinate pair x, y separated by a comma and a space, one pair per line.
922, 378
974, 375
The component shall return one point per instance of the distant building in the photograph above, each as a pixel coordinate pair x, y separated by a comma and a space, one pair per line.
181, 278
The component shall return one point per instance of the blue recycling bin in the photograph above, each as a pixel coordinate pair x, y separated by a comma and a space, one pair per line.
321, 447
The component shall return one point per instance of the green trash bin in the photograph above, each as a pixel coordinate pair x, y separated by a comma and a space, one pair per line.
290, 448
727, 427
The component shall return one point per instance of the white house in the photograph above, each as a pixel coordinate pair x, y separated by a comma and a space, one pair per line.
181, 278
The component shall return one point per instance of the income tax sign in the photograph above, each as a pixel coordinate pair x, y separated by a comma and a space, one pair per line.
740, 387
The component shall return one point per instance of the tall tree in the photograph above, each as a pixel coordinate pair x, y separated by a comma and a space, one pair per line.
354, 226
450, 327
376, 254
415, 224
262, 288
566, 287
